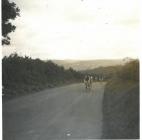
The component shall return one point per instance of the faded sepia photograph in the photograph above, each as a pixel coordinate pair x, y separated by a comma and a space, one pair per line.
70, 69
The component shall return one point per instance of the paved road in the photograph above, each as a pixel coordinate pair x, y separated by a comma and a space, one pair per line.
68, 112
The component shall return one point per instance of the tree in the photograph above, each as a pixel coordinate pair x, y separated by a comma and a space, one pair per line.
9, 12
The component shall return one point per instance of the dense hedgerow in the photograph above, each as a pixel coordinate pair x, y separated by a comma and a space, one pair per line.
26, 73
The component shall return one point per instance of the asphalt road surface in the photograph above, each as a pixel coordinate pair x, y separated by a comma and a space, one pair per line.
68, 112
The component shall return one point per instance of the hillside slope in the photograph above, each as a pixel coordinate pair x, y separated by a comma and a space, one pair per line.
121, 110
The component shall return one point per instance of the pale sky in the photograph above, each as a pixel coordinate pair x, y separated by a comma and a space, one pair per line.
76, 29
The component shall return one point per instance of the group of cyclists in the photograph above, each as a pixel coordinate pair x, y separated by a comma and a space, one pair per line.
88, 80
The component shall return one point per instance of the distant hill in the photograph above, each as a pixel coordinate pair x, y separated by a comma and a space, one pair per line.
89, 64
107, 72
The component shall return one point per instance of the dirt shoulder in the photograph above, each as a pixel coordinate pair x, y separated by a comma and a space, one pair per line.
121, 110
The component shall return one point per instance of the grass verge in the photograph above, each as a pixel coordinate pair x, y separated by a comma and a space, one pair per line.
121, 110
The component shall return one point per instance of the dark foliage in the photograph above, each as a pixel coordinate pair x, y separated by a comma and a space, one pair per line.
20, 73
130, 71
9, 12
